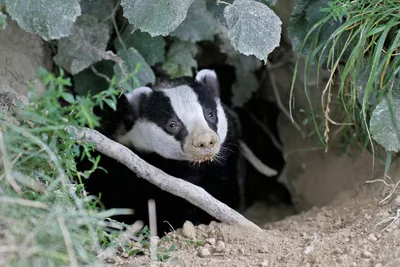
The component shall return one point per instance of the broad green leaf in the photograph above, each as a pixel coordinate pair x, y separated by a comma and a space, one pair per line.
51, 19
3, 20
132, 58
151, 48
99, 9
254, 29
246, 81
199, 24
217, 9
154, 16
180, 59
384, 123
87, 81
80, 50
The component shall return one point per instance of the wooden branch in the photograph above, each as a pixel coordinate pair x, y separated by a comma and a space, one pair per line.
176, 186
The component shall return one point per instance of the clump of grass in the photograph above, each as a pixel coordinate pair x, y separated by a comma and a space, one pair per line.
46, 218
362, 56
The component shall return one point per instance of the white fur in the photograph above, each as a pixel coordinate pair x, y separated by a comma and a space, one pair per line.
256, 162
222, 122
187, 107
149, 137
134, 95
204, 73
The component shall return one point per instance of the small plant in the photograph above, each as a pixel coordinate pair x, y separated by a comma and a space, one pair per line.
44, 211
358, 42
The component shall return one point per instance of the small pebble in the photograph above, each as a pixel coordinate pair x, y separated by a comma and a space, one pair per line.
219, 246
366, 254
241, 250
204, 253
397, 201
210, 241
372, 238
188, 230
264, 264
263, 249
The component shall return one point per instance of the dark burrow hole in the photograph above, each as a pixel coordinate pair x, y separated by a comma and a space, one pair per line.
255, 112
258, 188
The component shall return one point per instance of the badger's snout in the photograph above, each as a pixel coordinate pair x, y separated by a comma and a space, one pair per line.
205, 141
203, 145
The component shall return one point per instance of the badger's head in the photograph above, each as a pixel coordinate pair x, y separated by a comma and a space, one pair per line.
184, 122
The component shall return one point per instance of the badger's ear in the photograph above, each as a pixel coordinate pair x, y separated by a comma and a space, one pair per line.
137, 98
209, 78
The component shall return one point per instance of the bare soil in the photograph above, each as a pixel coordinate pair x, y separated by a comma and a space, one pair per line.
353, 230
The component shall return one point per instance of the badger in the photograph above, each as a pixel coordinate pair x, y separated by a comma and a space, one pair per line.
181, 127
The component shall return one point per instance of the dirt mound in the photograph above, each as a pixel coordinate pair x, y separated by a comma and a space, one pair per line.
348, 232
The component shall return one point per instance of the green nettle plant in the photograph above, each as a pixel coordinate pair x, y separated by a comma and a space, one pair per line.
359, 42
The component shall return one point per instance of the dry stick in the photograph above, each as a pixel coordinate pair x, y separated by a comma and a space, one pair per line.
7, 167
176, 186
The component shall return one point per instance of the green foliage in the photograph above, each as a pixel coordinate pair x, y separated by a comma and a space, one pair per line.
360, 40
246, 20
151, 48
384, 123
87, 81
86, 32
46, 218
51, 19
180, 59
156, 17
199, 25
88, 38
135, 64
3, 21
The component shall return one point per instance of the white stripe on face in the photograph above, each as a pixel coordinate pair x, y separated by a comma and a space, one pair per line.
222, 122
186, 105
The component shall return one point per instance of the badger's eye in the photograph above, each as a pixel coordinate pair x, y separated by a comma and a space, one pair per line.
211, 114
173, 126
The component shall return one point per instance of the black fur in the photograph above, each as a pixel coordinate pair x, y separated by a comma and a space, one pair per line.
121, 188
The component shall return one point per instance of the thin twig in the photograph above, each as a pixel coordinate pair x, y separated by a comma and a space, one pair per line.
23, 202
7, 168
68, 241
265, 130
176, 186
153, 229
101, 75
278, 98
116, 26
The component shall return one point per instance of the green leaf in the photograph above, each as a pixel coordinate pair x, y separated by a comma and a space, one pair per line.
132, 58
154, 16
254, 29
111, 103
68, 97
87, 81
151, 48
217, 9
384, 123
199, 24
3, 20
51, 19
180, 59
79, 51
99, 9
246, 81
